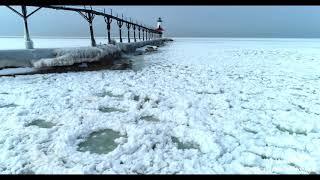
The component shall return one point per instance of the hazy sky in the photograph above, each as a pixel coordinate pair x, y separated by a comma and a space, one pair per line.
179, 21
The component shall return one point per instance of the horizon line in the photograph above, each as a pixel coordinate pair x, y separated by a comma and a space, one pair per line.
86, 37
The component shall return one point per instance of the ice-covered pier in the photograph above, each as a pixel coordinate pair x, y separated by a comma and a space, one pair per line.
44, 57
144, 33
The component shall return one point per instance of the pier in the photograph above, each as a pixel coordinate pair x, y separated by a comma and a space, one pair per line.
32, 57
89, 15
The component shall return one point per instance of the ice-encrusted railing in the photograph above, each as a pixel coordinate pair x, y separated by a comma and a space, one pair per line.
148, 33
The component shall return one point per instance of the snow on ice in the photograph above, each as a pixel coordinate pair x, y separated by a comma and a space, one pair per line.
217, 106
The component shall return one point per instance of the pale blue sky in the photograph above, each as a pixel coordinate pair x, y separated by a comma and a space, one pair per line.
179, 21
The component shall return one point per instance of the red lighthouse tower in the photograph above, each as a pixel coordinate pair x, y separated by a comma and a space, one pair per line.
159, 28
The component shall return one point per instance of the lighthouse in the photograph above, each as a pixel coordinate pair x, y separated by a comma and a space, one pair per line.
159, 28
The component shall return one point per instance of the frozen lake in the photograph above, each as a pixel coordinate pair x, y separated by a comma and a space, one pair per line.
198, 105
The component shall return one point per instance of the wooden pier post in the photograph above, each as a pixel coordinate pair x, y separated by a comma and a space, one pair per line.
134, 32
28, 42
108, 20
93, 41
89, 16
142, 34
139, 28
128, 27
120, 23
146, 35
24, 14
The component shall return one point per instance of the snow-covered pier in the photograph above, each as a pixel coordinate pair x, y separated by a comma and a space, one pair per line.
44, 57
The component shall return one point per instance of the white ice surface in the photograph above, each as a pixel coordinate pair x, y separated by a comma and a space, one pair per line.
11, 71
251, 105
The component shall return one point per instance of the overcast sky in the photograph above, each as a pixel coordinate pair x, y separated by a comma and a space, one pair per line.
179, 21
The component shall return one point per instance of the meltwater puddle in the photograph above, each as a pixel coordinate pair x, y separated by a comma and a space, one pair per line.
100, 142
182, 145
110, 109
150, 118
42, 123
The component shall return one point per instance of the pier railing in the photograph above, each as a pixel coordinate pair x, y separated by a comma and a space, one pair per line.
89, 14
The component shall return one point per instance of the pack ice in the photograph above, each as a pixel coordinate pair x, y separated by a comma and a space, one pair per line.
198, 105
